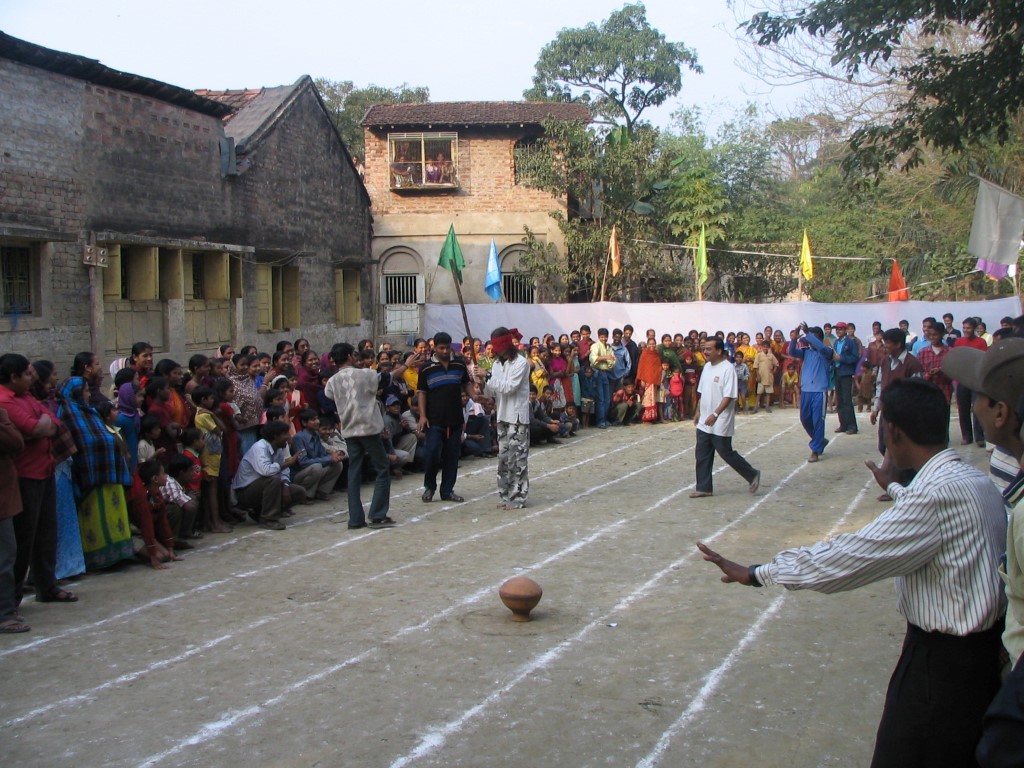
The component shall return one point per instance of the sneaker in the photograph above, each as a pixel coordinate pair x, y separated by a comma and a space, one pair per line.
384, 522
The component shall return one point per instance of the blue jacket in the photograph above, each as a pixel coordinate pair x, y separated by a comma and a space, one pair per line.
846, 356
622, 361
817, 361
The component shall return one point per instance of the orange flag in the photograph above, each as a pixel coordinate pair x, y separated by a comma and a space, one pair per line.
613, 248
897, 285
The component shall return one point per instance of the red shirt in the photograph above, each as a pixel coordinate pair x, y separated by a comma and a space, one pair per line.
977, 342
33, 463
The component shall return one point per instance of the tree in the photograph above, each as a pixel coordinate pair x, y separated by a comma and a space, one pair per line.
620, 68
347, 105
955, 96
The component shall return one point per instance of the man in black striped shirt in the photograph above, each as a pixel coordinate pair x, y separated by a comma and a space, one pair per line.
941, 541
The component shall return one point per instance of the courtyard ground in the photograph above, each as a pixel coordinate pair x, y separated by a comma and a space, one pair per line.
320, 646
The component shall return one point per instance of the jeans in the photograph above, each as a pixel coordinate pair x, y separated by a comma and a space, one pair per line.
707, 446
604, 396
442, 448
844, 398
372, 446
970, 427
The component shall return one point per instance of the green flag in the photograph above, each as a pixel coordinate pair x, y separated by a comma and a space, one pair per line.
702, 259
451, 255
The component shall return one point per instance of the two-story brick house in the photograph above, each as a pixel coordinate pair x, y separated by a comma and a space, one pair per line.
431, 166
131, 209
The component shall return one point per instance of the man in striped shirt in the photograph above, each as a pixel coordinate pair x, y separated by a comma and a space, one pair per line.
941, 541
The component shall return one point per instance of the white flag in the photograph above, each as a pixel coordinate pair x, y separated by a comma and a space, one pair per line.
998, 225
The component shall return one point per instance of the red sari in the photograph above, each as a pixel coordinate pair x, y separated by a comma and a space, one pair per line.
648, 374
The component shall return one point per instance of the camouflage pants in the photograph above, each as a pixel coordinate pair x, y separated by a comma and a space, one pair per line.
513, 456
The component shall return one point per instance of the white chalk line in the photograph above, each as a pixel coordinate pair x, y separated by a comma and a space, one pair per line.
128, 677
411, 564
714, 678
211, 730
35, 643
436, 737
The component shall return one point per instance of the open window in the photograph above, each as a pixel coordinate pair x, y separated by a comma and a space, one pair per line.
420, 161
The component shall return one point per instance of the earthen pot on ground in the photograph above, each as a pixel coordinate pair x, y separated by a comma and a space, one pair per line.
520, 595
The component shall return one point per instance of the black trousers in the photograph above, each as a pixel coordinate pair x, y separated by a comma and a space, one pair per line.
844, 404
35, 529
707, 446
936, 699
970, 427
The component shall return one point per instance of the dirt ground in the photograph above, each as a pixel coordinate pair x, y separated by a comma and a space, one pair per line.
320, 646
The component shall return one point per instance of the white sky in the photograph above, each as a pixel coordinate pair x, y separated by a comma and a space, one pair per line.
461, 50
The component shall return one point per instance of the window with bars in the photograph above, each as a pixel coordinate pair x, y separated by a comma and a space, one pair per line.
423, 160
522, 153
16, 276
403, 289
518, 288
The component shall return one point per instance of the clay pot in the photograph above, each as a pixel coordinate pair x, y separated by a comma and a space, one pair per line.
520, 595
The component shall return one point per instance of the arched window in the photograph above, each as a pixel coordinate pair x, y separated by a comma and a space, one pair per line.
516, 286
402, 290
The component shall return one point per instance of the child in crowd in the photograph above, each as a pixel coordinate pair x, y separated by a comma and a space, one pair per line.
691, 374
192, 443
866, 387
588, 395
149, 514
790, 386
676, 390
742, 378
181, 507
213, 448
149, 433
664, 398
570, 418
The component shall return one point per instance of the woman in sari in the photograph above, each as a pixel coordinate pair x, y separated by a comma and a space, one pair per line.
249, 400
648, 374
100, 474
558, 375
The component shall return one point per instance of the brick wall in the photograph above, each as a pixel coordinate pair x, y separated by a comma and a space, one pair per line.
486, 179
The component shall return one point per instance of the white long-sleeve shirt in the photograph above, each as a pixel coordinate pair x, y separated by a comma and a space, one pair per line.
941, 540
509, 385
260, 461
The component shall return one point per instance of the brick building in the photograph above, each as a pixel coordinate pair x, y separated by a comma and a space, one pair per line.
430, 166
131, 209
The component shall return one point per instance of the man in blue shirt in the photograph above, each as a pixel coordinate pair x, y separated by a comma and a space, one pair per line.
318, 469
817, 358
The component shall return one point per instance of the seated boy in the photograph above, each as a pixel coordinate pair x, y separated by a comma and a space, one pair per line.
318, 468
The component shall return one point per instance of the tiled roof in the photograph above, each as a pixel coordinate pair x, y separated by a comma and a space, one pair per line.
255, 110
473, 113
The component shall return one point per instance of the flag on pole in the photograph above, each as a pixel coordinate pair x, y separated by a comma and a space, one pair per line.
701, 262
451, 255
806, 265
613, 249
996, 230
492, 280
897, 285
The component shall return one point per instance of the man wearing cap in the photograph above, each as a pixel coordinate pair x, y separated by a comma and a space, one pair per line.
846, 355
508, 384
997, 378
941, 541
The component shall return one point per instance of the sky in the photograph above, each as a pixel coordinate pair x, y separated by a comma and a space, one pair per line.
460, 50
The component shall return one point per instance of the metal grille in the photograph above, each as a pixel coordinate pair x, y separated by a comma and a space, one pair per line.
518, 289
197, 277
399, 289
16, 271
423, 159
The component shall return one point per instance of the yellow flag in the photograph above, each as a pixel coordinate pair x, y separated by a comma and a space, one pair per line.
806, 266
613, 249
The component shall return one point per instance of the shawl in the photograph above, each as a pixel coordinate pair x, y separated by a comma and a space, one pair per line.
247, 399
648, 370
98, 460
128, 402
309, 384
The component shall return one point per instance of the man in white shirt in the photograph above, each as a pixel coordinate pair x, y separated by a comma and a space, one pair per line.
941, 541
716, 420
509, 384
260, 479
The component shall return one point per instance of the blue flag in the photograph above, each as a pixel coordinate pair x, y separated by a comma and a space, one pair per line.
492, 280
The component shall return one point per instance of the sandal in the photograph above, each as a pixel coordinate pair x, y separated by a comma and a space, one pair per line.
58, 596
13, 626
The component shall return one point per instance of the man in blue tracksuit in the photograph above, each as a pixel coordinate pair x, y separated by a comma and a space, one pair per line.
817, 360
846, 356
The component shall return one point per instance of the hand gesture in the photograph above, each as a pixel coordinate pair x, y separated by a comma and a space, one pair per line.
734, 572
885, 474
